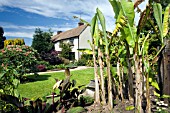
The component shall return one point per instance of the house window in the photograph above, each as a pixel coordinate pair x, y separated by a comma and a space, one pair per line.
71, 41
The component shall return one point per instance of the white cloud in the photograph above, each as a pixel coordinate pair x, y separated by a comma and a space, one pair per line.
18, 34
64, 9
28, 31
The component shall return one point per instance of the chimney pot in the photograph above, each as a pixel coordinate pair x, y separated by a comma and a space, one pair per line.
80, 23
58, 32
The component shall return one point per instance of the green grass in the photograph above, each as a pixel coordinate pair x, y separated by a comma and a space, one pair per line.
43, 84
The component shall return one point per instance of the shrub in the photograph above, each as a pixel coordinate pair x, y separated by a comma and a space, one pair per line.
41, 67
16, 41
51, 58
81, 62
8, 81
85, 60
65, 50
8, 86
90, 63
22, 58
65, 61
87, 56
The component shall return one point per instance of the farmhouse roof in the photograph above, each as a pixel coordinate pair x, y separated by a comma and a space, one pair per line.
69, 34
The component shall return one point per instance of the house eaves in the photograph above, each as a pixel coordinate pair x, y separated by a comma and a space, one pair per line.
69, 34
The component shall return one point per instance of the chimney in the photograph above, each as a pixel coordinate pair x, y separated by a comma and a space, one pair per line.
58, 32
80, 23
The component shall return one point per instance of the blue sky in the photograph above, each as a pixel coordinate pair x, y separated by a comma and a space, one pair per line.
19, 18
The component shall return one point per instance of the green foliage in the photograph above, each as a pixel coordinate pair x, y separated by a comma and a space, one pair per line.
76, 110
81, 62
21, 58
65, 50
86, 100
42, 41
52, 58
8, 86
162, 23
68, 94
67, 98
129, 108
85, 60
16, 41
8, 81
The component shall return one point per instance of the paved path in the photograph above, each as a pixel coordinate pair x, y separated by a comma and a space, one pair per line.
78, 68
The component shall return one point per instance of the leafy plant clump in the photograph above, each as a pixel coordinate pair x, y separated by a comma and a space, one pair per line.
51, 57
21, 58
66, 97
85, 60
16, 41
65, 52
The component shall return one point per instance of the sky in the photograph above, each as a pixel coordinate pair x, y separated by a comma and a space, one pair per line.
20, 18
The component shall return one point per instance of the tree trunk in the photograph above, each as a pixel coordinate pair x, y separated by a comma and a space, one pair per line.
138, 76
97, 96
148, 106
103, 91
130, 75
123, 82
67, 72
166, 72
110, 96
120, 92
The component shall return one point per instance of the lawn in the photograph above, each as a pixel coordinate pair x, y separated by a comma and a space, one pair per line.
43, 84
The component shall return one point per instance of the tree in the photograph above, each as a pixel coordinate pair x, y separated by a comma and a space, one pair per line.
42, 41
66, 49
2, 38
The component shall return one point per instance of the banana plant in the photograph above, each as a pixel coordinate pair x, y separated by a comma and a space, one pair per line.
95, 37
107, 53
126, 9
122, 20
98, 38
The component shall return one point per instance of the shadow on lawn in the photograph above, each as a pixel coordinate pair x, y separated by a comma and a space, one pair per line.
33, 78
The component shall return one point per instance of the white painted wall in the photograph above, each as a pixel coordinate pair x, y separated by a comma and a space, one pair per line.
84, 37
81, 42
75, 47
56, 45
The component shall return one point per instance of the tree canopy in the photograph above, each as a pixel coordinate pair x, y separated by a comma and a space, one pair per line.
42, 40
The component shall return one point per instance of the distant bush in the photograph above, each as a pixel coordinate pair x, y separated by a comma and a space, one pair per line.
41, 68
65, 51
85, 60
21, 58
65, 61
16, 41
81, 62
51, 58
87, 56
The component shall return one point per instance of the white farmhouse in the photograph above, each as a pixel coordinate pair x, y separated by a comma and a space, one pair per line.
78, 37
